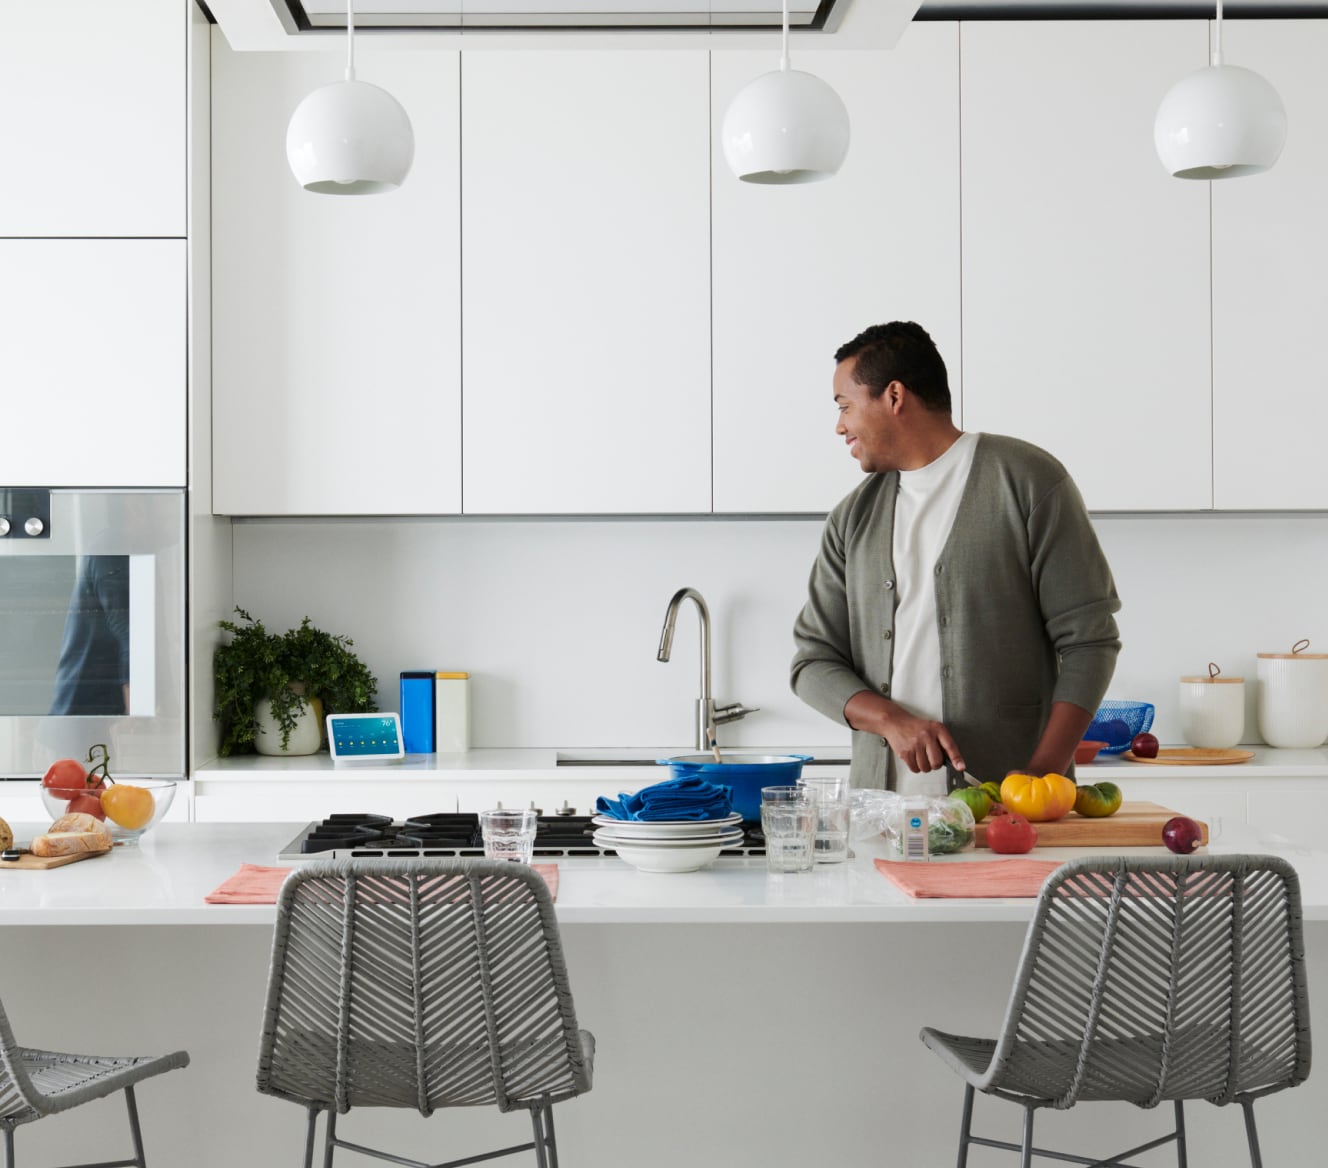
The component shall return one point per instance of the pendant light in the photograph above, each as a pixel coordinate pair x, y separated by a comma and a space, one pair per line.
785, 127
1220, 122
350, 137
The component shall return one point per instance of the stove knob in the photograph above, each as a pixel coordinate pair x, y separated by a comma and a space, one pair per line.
34, 526
4, 526
536, 810
565, 810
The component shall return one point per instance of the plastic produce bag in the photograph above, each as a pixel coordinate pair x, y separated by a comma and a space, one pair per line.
872, 810
950, 824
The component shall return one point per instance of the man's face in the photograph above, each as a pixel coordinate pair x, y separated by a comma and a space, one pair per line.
868, 423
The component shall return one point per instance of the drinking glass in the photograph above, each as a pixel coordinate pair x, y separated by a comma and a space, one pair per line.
788, 822
509, 835
830, 793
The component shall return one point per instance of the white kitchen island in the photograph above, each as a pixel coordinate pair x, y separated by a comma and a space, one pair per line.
742, 1018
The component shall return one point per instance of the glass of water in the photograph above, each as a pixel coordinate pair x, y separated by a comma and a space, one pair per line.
830, 794
508, 835
788, 822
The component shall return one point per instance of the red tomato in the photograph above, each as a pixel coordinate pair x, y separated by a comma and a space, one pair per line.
1010, 834
89, 804
66, 774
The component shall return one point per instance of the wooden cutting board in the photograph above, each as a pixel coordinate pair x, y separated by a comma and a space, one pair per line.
27, 862
1134, 825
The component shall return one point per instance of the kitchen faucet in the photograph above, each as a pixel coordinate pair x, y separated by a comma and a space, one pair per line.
708, 715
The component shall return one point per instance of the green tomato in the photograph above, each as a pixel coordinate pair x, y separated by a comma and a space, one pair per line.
1097, 800
993, 791
977, 800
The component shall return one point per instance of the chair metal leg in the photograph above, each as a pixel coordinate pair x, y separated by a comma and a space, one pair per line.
537, 1126
9, 1148
329, 1137
553, 1139
1252, 1134
310, 1132
1026, 1152
135, 1131
1181, 1160
965, 1125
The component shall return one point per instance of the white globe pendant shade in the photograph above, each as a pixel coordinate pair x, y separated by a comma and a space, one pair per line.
1220, 122
350, 138
785, 127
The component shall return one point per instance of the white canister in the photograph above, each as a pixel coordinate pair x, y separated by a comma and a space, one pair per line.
1293, 697
1212, 710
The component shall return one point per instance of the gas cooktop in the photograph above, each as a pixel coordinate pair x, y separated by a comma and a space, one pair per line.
453, 834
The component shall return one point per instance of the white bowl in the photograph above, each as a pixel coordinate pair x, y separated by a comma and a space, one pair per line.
608, 839
669, 859
666, 828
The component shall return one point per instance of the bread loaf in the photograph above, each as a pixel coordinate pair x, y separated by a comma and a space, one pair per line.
69, 843
6, 836
81, 821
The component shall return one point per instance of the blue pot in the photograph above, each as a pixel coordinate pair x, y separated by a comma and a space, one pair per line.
743, 774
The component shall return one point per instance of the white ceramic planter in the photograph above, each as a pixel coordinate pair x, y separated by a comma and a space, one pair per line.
306, 738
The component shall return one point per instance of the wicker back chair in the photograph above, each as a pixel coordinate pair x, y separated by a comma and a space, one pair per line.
421, 984
38, 1083
1146, 980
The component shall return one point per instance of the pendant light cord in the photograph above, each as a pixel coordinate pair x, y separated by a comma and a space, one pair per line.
1217, 40
350, 40
784, 55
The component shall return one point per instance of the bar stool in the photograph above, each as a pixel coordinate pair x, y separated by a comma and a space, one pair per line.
38, 1083
1146, 980
421, 983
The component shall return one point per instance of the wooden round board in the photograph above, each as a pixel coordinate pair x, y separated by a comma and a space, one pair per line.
1192, 756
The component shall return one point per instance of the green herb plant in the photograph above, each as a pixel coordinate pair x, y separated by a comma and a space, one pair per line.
288, 669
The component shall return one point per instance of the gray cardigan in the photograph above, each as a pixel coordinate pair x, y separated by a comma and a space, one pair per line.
1024, 604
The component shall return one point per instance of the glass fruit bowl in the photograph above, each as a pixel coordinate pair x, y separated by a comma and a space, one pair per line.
128, 807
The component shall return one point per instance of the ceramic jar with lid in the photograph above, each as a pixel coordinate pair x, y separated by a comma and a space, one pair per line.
1293, 697
1212, 710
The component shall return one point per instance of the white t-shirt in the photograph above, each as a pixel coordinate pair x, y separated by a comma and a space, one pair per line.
925, 510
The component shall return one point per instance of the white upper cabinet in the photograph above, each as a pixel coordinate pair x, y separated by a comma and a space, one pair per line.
92, 362
1086, 266
94, 95
587, 282
799, 270
1270, 253
336, 320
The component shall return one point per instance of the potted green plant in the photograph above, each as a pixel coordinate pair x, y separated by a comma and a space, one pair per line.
289, 672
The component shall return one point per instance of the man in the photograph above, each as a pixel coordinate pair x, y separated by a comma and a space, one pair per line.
960, 609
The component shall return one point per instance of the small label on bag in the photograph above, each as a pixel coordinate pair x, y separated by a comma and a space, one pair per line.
915, 834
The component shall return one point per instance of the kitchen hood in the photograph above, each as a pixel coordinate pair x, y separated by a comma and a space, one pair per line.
612, 24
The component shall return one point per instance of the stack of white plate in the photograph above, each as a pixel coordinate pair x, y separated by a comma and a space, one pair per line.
668, 845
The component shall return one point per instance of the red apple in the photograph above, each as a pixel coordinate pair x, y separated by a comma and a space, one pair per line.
1181, 834
1144, 746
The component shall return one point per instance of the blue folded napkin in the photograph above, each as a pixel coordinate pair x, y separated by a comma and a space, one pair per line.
688, 798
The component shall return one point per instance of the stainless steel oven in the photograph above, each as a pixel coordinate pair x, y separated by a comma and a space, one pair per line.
92, 629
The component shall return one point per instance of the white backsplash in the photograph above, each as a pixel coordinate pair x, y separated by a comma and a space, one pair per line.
558, 621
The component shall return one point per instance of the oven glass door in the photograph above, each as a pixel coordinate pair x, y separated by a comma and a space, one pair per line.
92, 634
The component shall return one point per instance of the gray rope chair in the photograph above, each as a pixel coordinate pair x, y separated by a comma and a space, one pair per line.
1145, 980
38, 1083
421, 983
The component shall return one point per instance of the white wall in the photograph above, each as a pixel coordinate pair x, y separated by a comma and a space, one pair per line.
559, 621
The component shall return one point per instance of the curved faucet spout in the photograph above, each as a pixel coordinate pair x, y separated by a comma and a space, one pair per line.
706, 719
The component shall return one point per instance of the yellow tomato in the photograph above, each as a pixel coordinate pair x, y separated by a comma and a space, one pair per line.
1039, 798
130, 807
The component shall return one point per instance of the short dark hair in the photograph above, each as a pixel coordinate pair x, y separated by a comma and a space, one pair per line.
899, 351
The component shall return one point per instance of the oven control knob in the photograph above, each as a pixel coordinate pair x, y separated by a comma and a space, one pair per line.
34, 526
4, 526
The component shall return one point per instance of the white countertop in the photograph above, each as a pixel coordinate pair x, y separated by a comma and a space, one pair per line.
164, 880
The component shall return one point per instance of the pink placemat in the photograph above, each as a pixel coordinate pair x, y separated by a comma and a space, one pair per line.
981, 878
255, 884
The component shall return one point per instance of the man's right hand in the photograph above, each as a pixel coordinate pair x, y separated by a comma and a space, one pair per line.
921, 744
